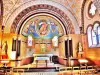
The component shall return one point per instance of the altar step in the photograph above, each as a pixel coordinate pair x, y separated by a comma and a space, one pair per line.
38, 73
43, 64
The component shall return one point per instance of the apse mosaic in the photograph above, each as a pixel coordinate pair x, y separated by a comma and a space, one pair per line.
42, 26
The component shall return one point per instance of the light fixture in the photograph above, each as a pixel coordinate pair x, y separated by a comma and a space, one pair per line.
65, 38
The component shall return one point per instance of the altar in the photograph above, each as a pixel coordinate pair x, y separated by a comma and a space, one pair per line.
42, 57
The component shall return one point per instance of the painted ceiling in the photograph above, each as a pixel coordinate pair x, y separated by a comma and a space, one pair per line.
73, 5
42, 26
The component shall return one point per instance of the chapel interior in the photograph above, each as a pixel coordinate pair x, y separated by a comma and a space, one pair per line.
49, 37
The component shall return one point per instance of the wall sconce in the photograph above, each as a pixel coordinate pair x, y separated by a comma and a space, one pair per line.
69, 38
19, 38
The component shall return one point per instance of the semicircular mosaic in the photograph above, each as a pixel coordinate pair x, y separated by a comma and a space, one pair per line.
42, 26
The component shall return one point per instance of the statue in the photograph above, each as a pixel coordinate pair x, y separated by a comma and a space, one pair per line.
80, 48
4, 47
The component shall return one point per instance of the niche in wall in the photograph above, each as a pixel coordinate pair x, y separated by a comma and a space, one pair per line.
14, 44
68, 48
18, 47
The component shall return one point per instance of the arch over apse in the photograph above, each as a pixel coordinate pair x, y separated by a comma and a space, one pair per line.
1, 12
69, 23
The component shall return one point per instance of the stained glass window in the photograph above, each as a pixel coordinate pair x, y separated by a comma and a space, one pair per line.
94, 40
89, 35
93, 33
99, 34
55, 41
92, 10
29, 40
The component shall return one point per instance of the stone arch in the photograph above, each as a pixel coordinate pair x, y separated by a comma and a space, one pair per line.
82, 16
1, 13
43, 9
64, 15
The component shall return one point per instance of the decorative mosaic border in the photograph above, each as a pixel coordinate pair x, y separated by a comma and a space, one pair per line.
42, 8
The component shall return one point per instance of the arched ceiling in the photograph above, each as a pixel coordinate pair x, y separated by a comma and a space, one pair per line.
19, 5
46, 9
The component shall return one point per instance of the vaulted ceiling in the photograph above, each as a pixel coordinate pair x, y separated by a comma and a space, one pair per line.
73, 5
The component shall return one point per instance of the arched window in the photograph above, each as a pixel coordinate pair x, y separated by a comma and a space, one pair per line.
94, 40
89, 35
30, 40
55, 41
93, 33
99, 33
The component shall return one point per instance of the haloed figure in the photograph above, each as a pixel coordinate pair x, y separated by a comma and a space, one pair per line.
43, 28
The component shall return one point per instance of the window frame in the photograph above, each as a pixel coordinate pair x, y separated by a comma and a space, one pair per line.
89, 7
94, 28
